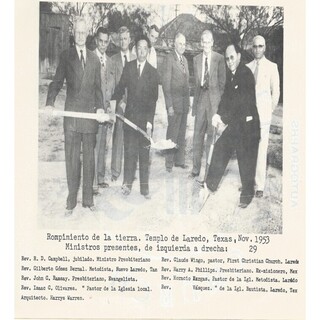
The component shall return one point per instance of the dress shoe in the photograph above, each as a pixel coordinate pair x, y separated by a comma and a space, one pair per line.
68, 212
90, 207
114, 178
147, 196
183, 166
96, 191
193, 175
103, 185
259, 194
125, 190
169, 170
243, 205
245, 201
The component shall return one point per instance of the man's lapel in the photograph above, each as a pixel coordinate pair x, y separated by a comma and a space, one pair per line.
76, 64
212, 64
88, 68
199, 62
119, 63
143, 79
178, 63
186, 66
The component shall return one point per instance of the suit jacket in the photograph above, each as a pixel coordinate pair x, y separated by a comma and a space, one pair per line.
217, 79
175, 83
239, 102
142, 93
83, 89
105, 80
116, 72
267, 88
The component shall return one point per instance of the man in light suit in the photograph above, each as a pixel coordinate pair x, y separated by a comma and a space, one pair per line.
210, 77
102, 41
153, 35
118, 62
81, 69
267, 92
175, 84
140, 80
237, 110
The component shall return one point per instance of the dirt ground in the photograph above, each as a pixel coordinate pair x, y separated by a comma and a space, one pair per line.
174, 203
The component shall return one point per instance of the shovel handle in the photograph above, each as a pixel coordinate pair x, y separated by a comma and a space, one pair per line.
73, 114
134, 126
209, 158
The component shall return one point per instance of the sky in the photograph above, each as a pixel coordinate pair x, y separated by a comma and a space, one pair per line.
162, 14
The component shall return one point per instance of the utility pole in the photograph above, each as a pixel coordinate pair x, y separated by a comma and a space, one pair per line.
176, 10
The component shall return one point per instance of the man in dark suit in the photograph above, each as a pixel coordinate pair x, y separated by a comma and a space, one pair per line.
140, 80
238, 111
210, 77
81, 69
118, 61
102, 41
175, 84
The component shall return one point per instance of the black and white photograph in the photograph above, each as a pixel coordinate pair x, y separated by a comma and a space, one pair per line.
159, 157
150, 115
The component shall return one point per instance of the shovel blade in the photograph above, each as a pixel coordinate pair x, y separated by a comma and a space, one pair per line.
203, 197
163, 144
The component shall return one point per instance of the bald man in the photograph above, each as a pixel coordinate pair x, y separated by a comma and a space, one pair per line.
267, 87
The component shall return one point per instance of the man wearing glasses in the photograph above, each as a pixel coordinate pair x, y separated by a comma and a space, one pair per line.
267, 94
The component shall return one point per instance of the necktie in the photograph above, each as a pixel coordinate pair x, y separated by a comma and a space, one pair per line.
206, 74
101, 61
82, 59
125, 60
138, 71
182, 64
256, 72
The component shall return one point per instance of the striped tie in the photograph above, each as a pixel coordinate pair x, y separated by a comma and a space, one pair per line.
82, 59
182, 64
206, 75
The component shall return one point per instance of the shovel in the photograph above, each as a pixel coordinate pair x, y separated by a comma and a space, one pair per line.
160, 145
81, 115
205, 193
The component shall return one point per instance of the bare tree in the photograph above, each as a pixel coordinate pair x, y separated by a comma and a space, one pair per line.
99, 14
72, 9
240, 21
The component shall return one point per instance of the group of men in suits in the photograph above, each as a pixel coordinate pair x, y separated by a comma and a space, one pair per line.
92, 80
235, 104
225, 99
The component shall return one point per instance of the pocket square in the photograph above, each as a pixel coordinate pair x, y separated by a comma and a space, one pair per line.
249, 118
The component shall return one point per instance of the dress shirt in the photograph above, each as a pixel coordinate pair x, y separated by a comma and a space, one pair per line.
84, 52
142, 64
127, 54
102, 57
203, 65
152, 57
